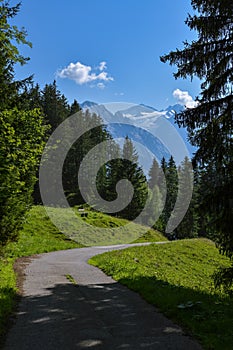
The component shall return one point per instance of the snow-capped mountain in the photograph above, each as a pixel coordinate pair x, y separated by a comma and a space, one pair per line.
129, 111
154, 133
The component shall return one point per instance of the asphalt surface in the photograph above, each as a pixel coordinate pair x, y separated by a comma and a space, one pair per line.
97, 313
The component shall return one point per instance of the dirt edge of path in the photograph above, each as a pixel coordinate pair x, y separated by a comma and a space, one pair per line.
20, 265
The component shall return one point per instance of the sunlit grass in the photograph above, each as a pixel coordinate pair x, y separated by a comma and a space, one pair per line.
97, 228
177, 278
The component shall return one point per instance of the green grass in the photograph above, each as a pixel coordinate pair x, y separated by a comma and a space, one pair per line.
177, 278
39, 235
100, 229
72, 280
151, 236
7, 293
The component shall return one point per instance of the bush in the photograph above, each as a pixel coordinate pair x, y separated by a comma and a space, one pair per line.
21, 144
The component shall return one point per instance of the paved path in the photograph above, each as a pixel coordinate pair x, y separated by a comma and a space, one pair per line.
99, 313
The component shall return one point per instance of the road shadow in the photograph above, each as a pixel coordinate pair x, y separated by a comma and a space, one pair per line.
100, 316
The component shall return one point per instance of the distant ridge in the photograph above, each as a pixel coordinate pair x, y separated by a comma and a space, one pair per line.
136, 122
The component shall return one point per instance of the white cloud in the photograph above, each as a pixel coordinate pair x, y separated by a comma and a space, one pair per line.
101, 86
102, 66
184, 98
102, 76
119, 93
83, 74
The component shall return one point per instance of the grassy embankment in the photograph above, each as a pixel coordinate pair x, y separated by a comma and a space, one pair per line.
177, 278
101, 229
39, 235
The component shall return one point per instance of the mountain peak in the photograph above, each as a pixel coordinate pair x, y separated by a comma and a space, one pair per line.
149, 107
132, 118
87, 104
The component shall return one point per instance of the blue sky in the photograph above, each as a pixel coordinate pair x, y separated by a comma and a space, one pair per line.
107, 50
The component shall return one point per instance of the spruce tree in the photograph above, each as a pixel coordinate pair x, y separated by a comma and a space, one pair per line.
154, 174
55, 105
189, 226
10, 38
171, 184
156, 194
164, 165
108, 175
172, 189
75, 107
127, 168
155, 207
96, 136
210, 123
30, 97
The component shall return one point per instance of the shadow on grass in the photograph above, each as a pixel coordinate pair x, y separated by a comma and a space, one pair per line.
209, 317
8, 300
101, 316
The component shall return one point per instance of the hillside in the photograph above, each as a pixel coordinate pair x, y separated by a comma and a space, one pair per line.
95, 228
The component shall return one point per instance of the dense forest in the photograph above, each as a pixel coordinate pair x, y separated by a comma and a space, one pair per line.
29, 114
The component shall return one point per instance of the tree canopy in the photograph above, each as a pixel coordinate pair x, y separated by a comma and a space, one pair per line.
21, 131
210, 123
10, 38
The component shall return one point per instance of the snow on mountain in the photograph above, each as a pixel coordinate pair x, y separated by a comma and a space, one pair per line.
146, 126
142, 114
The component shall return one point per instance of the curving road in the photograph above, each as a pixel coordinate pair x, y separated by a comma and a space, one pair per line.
97, 313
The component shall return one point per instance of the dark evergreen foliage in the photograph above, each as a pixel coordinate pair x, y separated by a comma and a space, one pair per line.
10, 38
97, 135
210, 123
171, 177
189, 227
126, 167
154, 174
54, 105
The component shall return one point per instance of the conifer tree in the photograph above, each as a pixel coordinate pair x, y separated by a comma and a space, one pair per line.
55, 105
210, 123
132, 171
156, 205
171, 179
30, 97
189, 226
97, 135
154, 174
75, 107
128, 168
172, 188
10, 38
164, 165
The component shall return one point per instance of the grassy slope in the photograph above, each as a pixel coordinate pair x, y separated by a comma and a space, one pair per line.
39, 235
176, 277
100, 229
